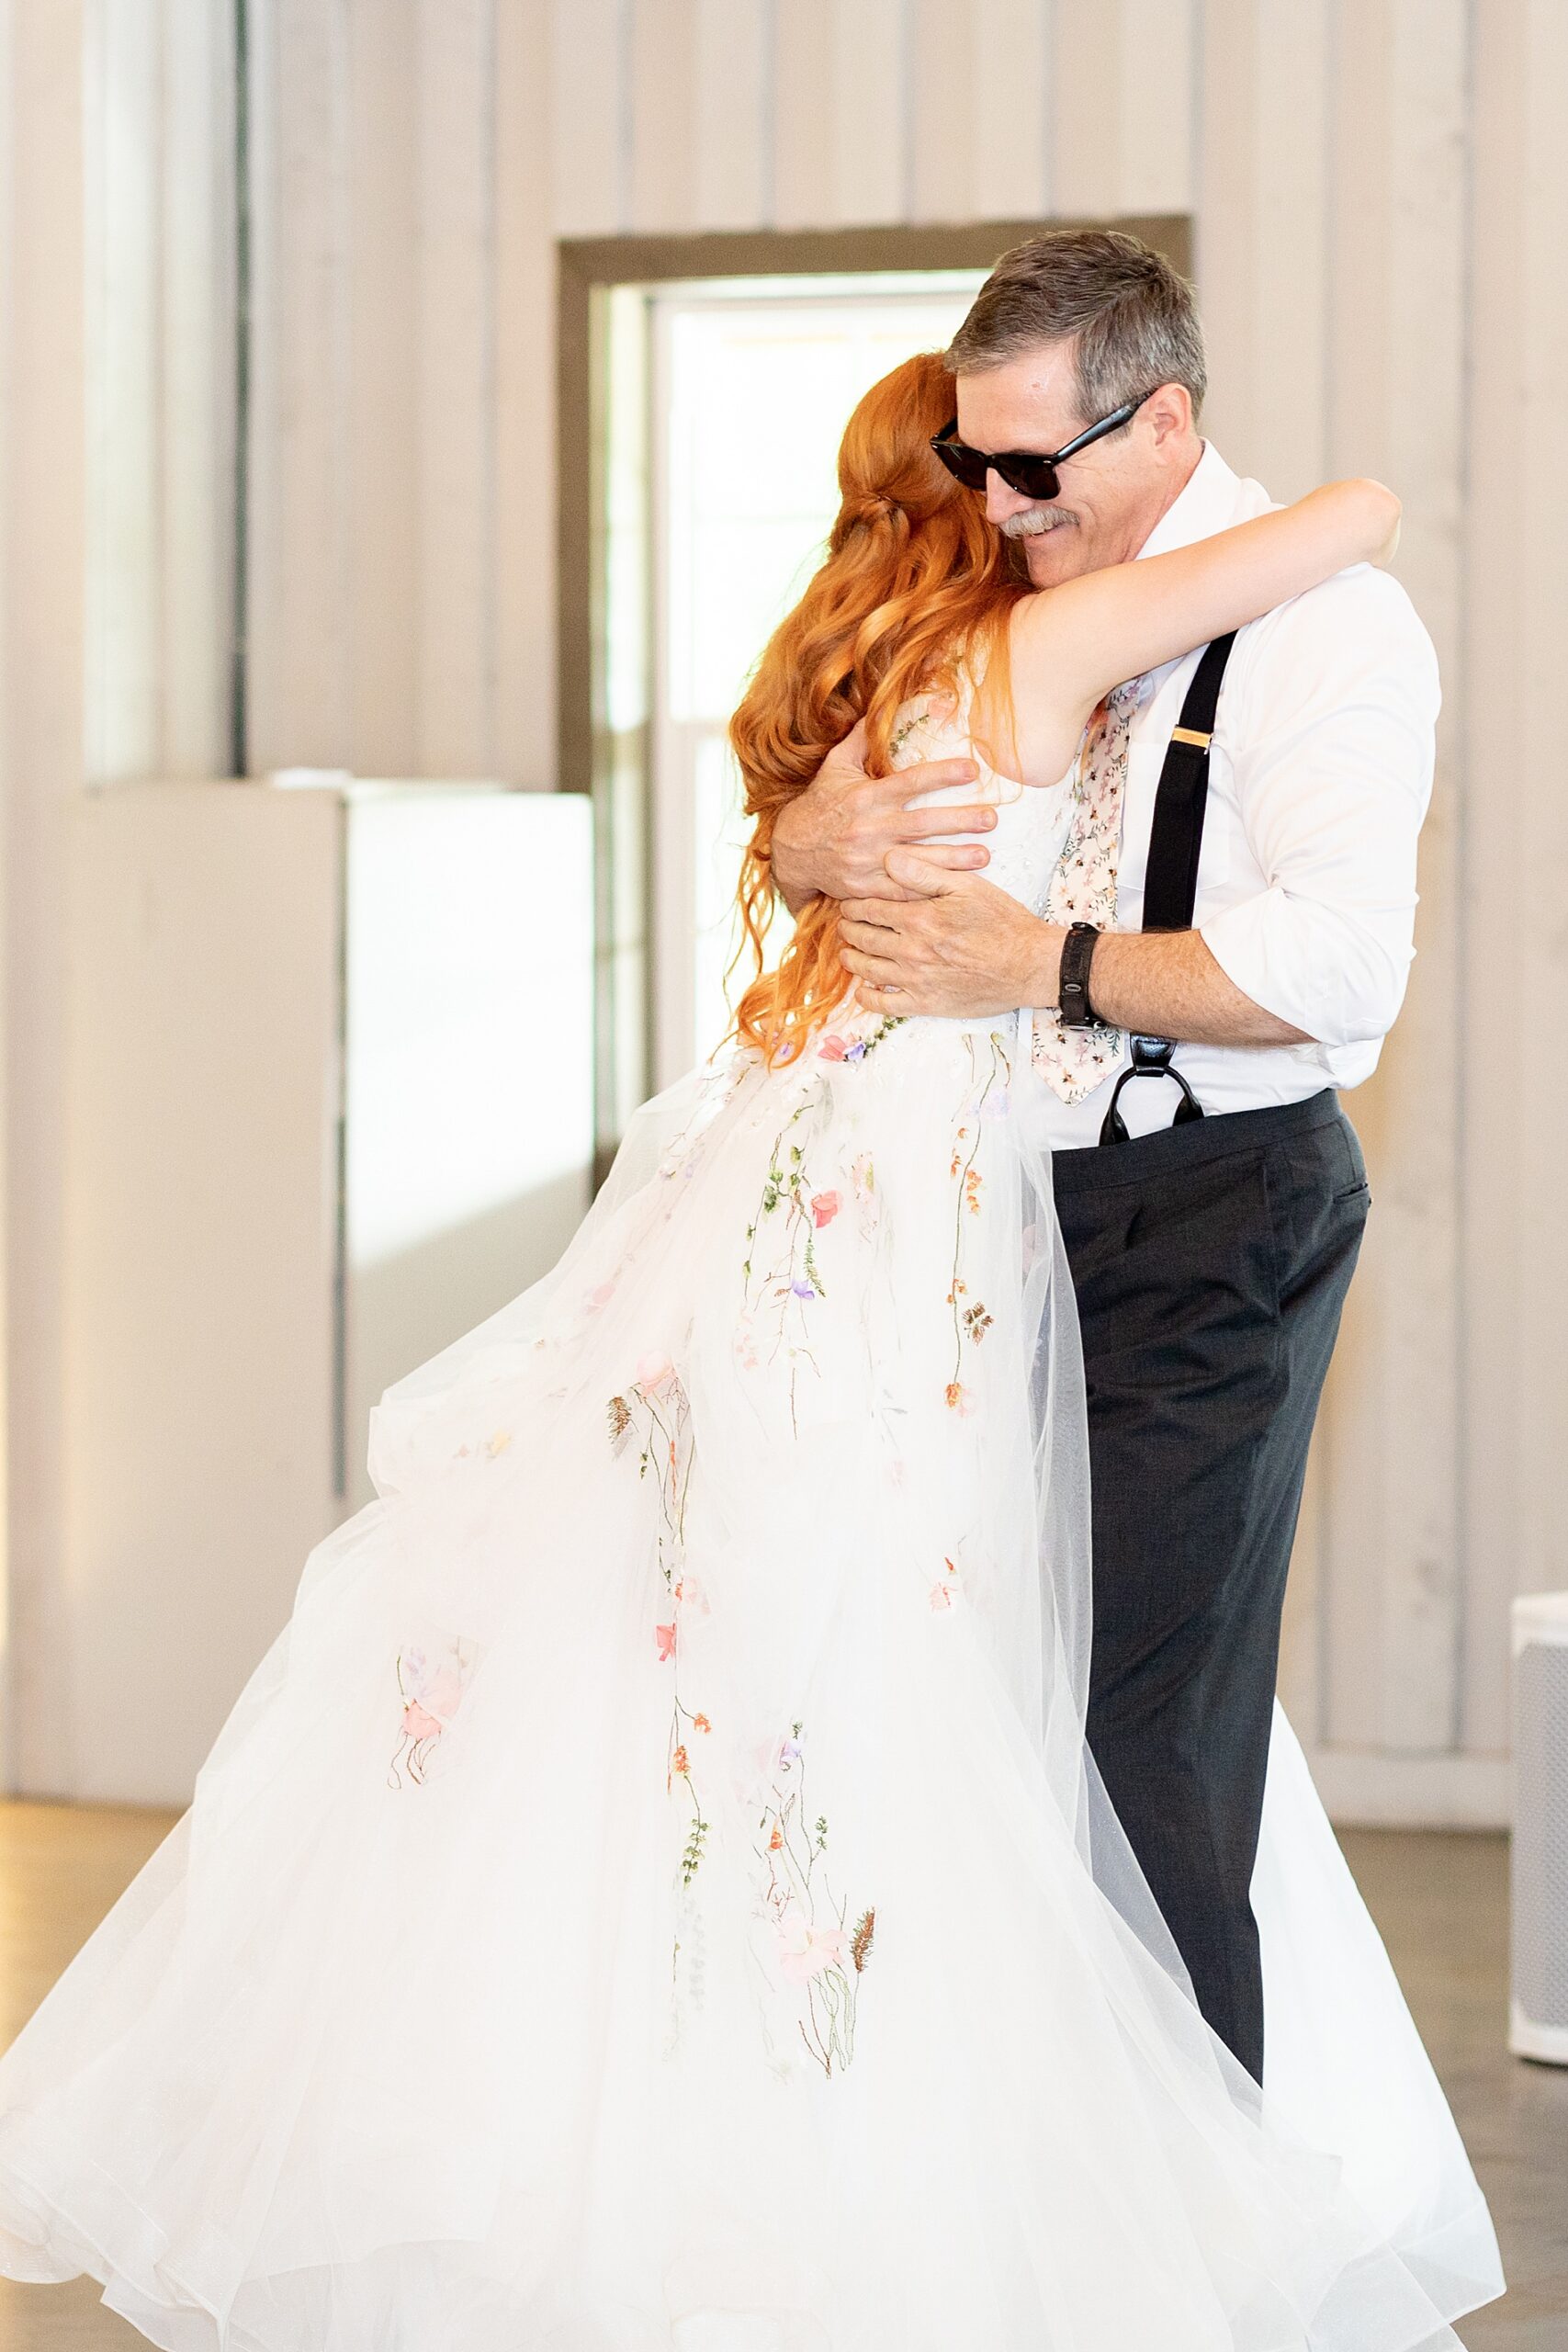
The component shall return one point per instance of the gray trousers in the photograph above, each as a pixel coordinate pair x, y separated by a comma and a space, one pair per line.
1211, 1262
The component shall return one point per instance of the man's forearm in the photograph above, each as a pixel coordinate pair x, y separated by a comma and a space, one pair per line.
1166, 984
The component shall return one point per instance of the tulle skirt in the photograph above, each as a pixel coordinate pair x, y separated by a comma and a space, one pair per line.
653, 1895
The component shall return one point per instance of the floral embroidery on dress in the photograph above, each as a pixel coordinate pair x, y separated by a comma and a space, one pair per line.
433, 1672
814, 1952
971, 1318
657, 1399
948, 1589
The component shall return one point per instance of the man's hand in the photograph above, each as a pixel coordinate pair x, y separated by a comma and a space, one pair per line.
950, 944
958, 947
832, 839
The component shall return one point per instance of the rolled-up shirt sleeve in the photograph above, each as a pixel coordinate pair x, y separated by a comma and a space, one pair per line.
1334, 725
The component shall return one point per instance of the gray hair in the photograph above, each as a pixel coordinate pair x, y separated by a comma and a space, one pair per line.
1131, 318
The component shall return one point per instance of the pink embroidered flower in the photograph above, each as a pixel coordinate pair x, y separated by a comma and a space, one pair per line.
417, 1725
944, 1593
595, 1298
665, 1637
833, 1048
442, 1693
824, 1208
805, 1951
655, 1374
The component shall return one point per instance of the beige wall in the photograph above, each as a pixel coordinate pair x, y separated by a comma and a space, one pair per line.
1380, 194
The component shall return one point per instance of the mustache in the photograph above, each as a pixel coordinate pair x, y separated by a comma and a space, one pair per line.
1033, 522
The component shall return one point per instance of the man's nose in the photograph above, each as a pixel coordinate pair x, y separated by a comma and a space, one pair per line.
1001, 499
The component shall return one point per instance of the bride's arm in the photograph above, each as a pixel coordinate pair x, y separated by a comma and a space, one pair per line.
1070, 645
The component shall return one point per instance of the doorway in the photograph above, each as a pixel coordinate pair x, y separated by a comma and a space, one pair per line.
704, 383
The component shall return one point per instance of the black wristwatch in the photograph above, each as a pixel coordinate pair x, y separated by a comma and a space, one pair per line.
1078, 951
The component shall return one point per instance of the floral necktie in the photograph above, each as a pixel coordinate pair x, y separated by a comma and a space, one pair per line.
1083, 890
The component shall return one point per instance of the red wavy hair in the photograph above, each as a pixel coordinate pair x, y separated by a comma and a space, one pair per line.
914, 575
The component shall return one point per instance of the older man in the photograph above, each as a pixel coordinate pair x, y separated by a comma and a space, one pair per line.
1244, 889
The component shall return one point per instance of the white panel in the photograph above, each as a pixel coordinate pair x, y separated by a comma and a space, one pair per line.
199, 1253
731, 162
586, 72
383, 451
457, 457
470, 1106
524, 303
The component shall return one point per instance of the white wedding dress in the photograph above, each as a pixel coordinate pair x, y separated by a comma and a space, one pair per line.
652, 1896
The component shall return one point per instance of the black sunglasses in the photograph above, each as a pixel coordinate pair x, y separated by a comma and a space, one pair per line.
1031, 474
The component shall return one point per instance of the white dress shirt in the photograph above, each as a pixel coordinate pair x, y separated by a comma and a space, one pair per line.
1319, 777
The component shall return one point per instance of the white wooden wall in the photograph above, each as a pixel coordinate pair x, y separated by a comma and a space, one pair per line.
1380, 193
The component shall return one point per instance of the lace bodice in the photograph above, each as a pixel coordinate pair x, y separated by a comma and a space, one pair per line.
1031, 821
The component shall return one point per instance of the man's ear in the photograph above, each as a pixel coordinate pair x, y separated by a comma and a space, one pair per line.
1169, 411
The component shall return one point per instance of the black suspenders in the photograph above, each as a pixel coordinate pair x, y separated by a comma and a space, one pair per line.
1170, 889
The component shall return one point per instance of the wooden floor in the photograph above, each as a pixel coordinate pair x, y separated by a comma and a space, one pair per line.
1441, 1902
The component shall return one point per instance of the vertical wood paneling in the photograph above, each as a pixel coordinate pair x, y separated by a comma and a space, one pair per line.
1289, 256
1011, 107
587, 92
1227, 170
868, 121
804, 78
457, 411
302, 619
663, 98
10, 1668
1086, 115
525, 401
1160, 40
42, 470
384, 390
197, 387
946, 125
1396, 410
1499, 1112
732, 161
1515, 843
124, 99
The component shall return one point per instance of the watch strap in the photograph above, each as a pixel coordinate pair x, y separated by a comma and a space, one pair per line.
1078, 951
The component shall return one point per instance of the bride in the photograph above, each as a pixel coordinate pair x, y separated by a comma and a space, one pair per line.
654, 1891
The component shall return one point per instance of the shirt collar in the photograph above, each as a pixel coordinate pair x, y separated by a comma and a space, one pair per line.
1207, 504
